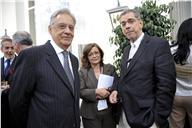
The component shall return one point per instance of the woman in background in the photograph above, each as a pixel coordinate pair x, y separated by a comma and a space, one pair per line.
92, 67
182, 52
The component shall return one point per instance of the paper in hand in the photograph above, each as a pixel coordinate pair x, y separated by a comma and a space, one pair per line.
105, 81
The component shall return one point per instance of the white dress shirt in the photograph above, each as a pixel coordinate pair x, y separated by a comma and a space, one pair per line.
59, 52
134, 47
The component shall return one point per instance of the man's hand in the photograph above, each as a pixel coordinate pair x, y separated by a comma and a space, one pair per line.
113, 97
5, 87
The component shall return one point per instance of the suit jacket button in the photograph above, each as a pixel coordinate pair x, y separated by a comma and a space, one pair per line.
74, 125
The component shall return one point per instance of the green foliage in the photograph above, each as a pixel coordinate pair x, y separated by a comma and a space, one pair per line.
121, 42
156, 23
156, 19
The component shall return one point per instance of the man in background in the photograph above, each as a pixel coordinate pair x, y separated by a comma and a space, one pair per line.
7, 64
22, 40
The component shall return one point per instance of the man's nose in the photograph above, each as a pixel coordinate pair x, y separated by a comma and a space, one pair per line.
67, 30
127, 25
10, 49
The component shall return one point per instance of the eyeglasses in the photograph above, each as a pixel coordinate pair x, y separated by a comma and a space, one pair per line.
129, 21
62, 26
92, 54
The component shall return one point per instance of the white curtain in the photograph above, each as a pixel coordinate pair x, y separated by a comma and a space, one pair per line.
182, 10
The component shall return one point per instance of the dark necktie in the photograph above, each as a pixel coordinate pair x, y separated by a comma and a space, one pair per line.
67, 68
128, 62
7, 67
128, 59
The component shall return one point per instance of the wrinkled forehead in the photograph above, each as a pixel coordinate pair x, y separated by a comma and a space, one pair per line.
7, 43
127, 16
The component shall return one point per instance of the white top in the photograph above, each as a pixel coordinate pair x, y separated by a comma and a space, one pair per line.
135, 46
184, 85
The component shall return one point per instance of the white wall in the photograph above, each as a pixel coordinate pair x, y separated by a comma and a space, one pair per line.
93, 25
8, 17
13, 16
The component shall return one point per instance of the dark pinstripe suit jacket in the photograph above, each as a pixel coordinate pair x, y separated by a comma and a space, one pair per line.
42, 96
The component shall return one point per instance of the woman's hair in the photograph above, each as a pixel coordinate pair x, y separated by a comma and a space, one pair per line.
84, 60
184, 41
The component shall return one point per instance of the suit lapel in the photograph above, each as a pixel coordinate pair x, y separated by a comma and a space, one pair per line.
75, 66
138, 53
124, 60
92, 77
2, 69
106, 70
53, 60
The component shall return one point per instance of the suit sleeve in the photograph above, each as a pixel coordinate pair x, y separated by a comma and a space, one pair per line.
21, 90
165, 83
113, 73
87, 94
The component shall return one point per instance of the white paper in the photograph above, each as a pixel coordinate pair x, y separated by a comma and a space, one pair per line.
102, 104
105, 81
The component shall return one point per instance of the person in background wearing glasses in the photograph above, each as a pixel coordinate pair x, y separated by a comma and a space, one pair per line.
92, 67
146, 86
43, 96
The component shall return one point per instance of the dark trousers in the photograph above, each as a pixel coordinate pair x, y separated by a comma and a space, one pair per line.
101, 121
187, 124
5, 110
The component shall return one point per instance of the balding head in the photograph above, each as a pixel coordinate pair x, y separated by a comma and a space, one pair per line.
22, 40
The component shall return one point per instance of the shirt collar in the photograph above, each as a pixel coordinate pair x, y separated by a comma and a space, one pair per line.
138, 41
11, 59
58, 50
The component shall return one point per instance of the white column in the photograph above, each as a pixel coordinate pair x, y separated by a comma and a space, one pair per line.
8, 17
21, 12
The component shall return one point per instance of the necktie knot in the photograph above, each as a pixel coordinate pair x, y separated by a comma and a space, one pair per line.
133, 45
8, 61
65, 53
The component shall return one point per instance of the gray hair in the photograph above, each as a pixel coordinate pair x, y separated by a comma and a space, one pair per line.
61, 11
134, 11
22, 37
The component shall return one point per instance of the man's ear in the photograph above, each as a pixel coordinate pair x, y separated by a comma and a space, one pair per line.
1, 48
141, 22
49, 29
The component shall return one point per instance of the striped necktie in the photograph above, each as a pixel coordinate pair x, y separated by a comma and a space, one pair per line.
8, 61
67, 68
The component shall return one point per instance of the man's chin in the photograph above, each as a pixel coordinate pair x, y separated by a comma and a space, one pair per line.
66, 44
129, 37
